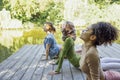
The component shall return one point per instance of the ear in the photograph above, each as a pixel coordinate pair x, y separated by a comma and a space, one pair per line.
92, 37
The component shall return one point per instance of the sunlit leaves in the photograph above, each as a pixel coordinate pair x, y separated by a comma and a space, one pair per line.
37, 11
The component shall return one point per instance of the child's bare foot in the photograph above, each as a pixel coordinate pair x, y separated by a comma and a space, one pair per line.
53, 62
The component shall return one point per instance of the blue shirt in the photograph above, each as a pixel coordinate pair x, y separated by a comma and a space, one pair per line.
54, 49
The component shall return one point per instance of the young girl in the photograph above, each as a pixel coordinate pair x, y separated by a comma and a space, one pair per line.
51, 47
69, 35
97, 34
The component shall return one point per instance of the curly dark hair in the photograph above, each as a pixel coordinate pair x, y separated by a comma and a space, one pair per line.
105, 33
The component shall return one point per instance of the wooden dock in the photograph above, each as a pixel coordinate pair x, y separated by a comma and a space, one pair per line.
28, 64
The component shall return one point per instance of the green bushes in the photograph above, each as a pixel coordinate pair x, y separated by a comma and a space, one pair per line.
36, 11
4, 52
33, 36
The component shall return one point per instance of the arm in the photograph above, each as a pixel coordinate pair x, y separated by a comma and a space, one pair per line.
48, 43
47, 50
93, 65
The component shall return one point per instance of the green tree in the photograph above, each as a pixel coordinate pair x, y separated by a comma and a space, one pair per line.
1, 5
37, 11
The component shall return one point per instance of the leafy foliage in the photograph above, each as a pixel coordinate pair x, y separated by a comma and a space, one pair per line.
33, 36
1, 5
37, 11
4, 52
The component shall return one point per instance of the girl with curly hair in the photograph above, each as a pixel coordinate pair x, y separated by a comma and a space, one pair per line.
101, 33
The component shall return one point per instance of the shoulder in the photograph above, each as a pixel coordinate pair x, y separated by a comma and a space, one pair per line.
50, 36
92, 54
69, 39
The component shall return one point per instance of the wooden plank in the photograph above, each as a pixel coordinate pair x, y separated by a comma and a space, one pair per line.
117, 45
40, 67
101, 52
11, 71
48, 68
77, 74
114, 51
39, 71
104, 51
32, 66
109, 51
57, 76
66, 71
11, 63
22, 69
6, 62
28, 64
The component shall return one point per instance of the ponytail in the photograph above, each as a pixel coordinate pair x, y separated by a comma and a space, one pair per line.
54, 29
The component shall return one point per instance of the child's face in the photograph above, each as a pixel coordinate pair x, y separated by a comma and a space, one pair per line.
67, 28
86, 34
46, 27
